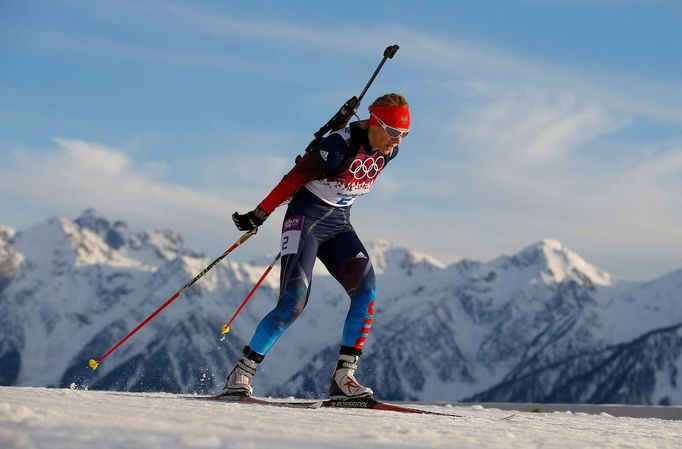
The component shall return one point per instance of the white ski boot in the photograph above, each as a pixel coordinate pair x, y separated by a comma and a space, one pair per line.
239, 381
344, 384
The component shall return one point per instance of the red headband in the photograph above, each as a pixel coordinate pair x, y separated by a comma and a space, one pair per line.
393, 116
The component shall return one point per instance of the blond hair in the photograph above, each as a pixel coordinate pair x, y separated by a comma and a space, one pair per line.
390, 100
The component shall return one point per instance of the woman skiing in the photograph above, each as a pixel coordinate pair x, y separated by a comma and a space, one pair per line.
324, 184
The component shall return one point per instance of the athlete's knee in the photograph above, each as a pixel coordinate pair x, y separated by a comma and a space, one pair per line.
362, 305
366, 289
298, 308
357, 276
367, 293
288, 308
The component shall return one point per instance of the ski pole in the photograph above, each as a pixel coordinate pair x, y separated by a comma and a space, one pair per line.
95, 363
226, 327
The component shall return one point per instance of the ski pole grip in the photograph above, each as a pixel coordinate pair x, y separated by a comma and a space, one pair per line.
391, 51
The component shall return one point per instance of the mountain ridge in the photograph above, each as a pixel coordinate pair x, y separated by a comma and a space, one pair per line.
70, 289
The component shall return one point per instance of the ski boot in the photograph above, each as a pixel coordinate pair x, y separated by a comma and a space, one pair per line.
240, 380
345, 386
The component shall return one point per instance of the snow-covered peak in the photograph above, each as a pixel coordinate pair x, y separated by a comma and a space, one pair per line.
59, 243
166, 244
6, 233
151, 247
553, 262
386, 256
114, 234
48, 242
9, 258
93, 220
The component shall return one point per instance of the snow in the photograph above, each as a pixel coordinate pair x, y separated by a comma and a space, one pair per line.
564, 263
385, 254
558, 263
35, 418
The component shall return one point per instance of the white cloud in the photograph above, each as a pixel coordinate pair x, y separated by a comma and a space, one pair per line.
661, 167
532, 127
79, 174
89, 159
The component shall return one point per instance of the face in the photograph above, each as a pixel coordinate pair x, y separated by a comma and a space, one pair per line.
381, 141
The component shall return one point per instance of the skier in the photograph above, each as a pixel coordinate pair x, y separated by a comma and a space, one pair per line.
324, 184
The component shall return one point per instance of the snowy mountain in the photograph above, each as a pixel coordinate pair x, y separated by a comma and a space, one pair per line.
542, 325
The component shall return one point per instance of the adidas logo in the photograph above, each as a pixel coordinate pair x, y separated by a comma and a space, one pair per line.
360, 255
324, 154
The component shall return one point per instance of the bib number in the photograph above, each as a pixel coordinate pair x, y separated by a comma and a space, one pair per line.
291, 234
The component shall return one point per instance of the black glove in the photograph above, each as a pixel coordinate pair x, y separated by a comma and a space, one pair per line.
250, 220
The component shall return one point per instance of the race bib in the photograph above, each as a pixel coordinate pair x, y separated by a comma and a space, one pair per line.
291, 234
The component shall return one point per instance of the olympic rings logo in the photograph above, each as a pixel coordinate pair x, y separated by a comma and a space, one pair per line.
368, 168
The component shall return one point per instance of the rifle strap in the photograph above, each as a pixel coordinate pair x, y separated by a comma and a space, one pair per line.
356, 135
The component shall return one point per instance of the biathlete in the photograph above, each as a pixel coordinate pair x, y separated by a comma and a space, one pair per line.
323, 186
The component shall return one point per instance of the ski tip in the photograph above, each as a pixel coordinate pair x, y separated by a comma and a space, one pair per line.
225, 329
93, 364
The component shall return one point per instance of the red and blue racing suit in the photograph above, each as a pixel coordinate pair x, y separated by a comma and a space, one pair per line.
317, 225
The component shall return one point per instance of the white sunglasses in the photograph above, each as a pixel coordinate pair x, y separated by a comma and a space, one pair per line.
391, 131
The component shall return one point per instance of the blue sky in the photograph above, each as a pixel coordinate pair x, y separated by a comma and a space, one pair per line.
531, 119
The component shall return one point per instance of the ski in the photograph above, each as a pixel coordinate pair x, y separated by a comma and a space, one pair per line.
360, 403
373, 404
251, 400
